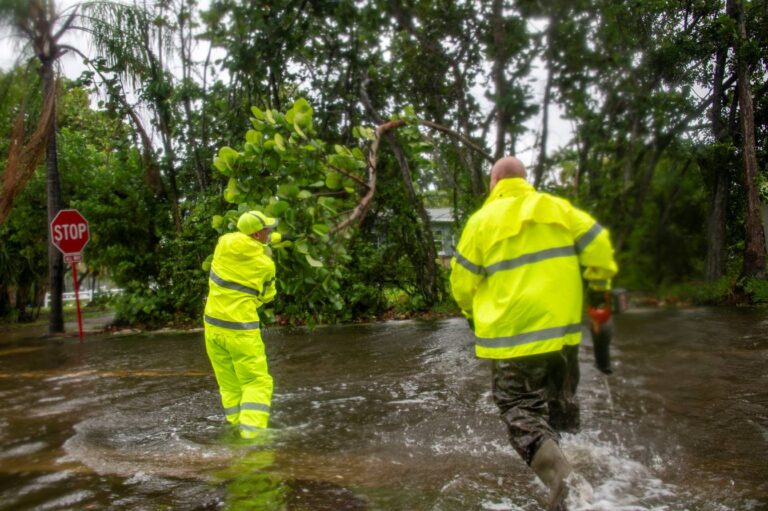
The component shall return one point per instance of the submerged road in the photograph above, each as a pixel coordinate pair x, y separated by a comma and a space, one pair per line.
389, 416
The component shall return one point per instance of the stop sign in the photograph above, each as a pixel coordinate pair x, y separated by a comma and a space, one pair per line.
69, 231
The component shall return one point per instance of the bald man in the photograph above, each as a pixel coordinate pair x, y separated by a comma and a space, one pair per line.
517, 277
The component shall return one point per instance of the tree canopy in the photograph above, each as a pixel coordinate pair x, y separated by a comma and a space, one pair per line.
349, 120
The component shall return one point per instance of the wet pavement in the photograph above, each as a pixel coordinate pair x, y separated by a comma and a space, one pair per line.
388, 416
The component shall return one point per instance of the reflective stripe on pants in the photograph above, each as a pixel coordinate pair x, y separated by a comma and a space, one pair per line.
240, 365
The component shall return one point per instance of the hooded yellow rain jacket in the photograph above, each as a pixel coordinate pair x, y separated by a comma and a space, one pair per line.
517, 272
242, 278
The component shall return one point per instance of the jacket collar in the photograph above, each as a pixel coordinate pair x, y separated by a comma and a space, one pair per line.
510, 187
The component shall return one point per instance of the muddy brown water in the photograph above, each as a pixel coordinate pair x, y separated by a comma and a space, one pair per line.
389, 416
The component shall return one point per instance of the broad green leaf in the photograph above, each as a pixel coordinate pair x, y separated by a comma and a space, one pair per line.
287, 190
298, 130
279, 143
257, 113
277, 209
217, 221
343, 151
302, 105
229, 155
313, 262
328, 203
232, 192
304, 194
230, 196
221, 166
333, 180
320, 229
207, 263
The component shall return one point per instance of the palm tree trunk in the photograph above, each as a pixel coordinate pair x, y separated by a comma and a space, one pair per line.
53, 188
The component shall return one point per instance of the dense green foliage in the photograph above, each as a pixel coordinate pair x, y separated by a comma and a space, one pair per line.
187, 117
286, 172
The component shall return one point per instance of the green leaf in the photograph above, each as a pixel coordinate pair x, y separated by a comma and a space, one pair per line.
207, 263
313, 262
287, 190
328, 203
343, 151
257, 113
298, 131
253, 137
333, 180
320, 229
304, 194
302, 105
221, 166
217, 221
232, 192
226, 160
277, 209
270, 117
279, 143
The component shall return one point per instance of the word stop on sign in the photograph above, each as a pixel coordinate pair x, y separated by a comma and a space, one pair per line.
69, 232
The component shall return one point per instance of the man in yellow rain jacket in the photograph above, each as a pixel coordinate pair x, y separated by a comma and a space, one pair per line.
242, 279
517, 277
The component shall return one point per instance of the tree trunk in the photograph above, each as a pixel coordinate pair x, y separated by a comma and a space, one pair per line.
715, 263
185, 49
499, 35
754, 242
53, 189
541, 164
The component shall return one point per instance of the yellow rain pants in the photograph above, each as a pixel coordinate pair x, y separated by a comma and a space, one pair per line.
240, 365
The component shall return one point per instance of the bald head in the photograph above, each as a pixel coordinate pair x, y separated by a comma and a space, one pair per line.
505, 168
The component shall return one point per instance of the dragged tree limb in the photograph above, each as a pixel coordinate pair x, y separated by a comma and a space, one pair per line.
358, 214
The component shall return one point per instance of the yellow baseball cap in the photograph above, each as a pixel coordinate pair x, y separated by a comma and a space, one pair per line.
254, 221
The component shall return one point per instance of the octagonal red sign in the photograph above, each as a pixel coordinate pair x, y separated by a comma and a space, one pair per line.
69, 231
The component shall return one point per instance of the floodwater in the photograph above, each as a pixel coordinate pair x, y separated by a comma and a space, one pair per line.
389, 416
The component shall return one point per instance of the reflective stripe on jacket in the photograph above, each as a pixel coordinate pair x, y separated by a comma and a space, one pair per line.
242, 278
517, 270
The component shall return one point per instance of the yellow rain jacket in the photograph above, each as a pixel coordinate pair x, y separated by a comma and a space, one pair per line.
517, 271
242, 278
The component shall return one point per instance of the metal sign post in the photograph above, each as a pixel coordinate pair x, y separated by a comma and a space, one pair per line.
69, 233
73, 259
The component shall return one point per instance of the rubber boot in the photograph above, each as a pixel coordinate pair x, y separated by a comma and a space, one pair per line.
550, 464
